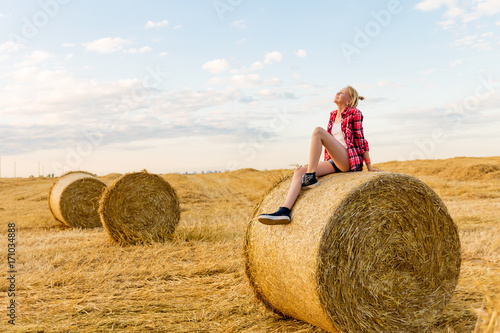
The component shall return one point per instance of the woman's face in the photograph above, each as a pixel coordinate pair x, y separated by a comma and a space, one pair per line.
342, 97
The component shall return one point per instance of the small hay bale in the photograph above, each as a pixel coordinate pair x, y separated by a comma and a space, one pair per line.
140, 208
365, 252
74, 199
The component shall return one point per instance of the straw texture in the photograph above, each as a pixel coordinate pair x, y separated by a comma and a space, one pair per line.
74, 199
365, 252
140, 208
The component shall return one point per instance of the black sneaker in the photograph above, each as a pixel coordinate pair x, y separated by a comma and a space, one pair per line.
282, 216
309, 180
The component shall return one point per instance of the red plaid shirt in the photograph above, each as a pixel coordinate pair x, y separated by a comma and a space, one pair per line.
352, 129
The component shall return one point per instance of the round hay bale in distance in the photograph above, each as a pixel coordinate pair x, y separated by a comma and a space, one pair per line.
365, 252
140, 208
74, 199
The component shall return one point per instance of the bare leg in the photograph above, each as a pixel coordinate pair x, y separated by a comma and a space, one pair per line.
324, 168
320, 138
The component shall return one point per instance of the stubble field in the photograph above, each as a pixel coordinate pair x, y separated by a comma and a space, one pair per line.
71, 280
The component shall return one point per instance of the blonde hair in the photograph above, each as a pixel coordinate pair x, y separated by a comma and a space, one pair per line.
355, 98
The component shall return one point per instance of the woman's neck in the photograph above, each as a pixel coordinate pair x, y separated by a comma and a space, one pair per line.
341, 108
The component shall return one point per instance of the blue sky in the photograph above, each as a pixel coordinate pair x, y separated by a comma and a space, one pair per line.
176, 86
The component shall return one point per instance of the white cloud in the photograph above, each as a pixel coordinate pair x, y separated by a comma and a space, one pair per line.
466, 11
497, 23
453, 7
246, 81
216, 80
69, 56
39, 56
483, 8
273, 82
270, 95
216, 66
467, 40
68, 45
59, 108
257, 66
240, 24
141, 50
35, 58
107, 45
10, 47
301, 53
178, 26
428, 5
271, 57
58, 91
163, 54
23, 74
455, 63
157, 25
447, 24
241, 41
2, 15
475, 42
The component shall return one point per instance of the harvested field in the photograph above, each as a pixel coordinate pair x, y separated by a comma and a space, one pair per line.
74, 280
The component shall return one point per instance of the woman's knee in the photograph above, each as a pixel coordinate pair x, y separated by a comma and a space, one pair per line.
299, 172
318, 131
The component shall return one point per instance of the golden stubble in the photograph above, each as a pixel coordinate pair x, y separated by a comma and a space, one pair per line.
75, 280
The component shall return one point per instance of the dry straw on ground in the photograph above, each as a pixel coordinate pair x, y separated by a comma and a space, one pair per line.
365, 252
140, 208
489, 319
489, 316
74, 199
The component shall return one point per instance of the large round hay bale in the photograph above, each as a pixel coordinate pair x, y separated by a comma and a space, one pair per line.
365, 252
74, 199
140, 208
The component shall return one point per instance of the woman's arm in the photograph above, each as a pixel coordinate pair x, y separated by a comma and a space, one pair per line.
360, 141
357, 127
366, 156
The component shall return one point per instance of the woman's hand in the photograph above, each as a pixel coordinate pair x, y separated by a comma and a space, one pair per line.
371, 169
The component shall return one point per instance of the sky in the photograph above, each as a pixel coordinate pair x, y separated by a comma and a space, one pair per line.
216, 85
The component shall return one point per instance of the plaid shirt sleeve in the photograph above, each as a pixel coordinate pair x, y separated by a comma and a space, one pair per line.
355, 139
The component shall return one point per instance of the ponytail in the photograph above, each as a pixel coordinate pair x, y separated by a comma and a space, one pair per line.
355, 98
